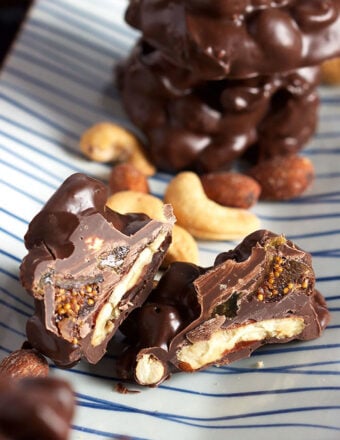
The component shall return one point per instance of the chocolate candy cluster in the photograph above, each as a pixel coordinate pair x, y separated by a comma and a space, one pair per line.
210, 81
261, 292
91, 270
87, 268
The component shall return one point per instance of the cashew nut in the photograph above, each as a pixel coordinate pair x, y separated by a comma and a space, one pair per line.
108, 142
202, 217
183, 246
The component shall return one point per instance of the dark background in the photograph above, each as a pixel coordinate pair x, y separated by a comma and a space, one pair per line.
12, 12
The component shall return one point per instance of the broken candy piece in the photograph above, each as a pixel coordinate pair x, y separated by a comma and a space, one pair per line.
87, 268
261, 292
36, 408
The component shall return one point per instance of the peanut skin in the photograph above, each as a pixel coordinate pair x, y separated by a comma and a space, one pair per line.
283, 177
126, 177
231, 189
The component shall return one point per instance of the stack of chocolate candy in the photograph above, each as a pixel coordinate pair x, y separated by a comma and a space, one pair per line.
214, 80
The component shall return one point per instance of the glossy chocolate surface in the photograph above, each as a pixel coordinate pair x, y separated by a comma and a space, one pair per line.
39, 408
265, 278
80, 254
206, 126
238, 39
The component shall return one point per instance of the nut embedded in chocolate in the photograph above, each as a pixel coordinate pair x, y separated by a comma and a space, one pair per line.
87, 268
261, 292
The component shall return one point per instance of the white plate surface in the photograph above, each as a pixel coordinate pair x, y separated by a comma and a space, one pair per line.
56, 82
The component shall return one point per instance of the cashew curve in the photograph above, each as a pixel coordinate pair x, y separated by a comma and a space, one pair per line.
202, 217
108, 142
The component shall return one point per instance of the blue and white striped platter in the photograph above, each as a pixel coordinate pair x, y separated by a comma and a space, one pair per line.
56, 82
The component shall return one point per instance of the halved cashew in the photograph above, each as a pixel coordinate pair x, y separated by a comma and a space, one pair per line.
108, 142
202, 217
183, 246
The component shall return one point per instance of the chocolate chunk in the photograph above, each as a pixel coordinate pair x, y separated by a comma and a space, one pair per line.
87, 268
261, 292
206, 126
240, 39
39, 408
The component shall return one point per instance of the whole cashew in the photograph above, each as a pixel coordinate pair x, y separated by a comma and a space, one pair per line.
202, 217
108, 142
183, 246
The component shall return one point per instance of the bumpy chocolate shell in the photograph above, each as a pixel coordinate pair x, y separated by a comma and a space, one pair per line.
238, 39
206, 126
87, 268
261, 292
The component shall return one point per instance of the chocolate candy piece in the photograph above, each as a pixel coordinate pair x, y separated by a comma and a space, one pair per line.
87, 268
261, 292
39, 408
238, 39
206, 126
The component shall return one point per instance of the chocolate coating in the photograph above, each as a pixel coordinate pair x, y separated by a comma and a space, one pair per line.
39, 408
206, 126
265, 279
239, 39
87, 268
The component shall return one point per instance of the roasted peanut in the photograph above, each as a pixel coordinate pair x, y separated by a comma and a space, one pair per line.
24, 363
231, 189
283, 177
126, 177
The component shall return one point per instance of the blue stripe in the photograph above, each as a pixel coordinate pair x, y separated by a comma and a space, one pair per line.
88, 44
19, 300
9, 255
110, 435
14, 308
10, 234
78, 25
13, 330
28, 174
34, 39
22, 220
22, 192
31, 163
57, 91
296, 218
9, 274
42, 152
102, 21
69, 75
38, 115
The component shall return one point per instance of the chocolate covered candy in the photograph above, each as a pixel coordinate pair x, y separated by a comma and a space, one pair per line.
206, 126
87, 268
32, 409
261, 292
238, 39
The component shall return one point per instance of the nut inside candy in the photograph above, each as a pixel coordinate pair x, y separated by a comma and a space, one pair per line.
201, 353
111, 310
149, 370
